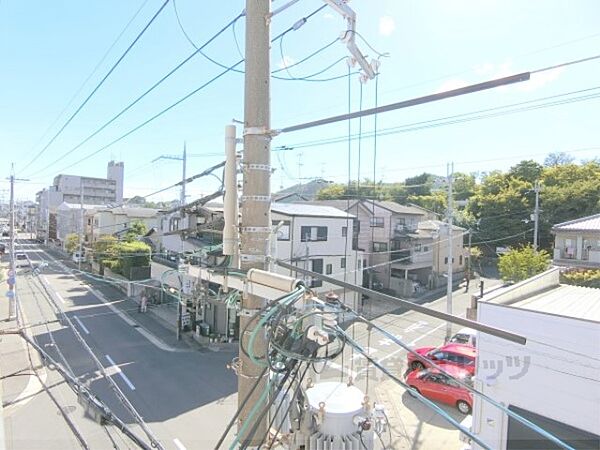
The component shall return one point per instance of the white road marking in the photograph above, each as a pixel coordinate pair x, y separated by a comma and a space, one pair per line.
153, 339
118, 370
81, 325
58, 296
179, 445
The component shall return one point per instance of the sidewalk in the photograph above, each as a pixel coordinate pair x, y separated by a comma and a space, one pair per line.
160, 321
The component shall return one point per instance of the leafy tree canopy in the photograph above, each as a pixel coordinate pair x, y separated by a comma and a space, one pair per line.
519, 264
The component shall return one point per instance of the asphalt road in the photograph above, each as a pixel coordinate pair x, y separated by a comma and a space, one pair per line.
184, 397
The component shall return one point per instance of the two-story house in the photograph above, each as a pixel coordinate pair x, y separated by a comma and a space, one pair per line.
112, 221
420, 257
319, 238
577, 242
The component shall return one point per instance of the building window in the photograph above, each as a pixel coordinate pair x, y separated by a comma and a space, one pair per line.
359, 264
425, 248
376, 222
343, 263
313, 234
379, 247
329, 269
344, 231
401, 221
174, 224
446, 260
460, 260
418, 247
283, 232
316, 266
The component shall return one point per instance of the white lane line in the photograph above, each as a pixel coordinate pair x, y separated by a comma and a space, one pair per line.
118, 370
58, 296
81, 325
179, 445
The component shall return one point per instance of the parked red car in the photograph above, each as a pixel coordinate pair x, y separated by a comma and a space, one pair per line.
461, 355
438, 386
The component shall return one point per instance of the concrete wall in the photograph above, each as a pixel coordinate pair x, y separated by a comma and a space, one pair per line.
557, 379
525, 288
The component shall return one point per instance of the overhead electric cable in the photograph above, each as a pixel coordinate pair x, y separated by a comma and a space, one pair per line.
88, 98
227, 69
90, 75
144, 94
433, 122
518, 78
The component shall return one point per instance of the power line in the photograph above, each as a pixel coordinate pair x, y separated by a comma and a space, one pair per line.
88, 98
90, 75
491, 84
144, 94
414, 126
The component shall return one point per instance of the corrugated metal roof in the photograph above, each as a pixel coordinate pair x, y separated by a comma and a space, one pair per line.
589, 223
303, 209
566, 300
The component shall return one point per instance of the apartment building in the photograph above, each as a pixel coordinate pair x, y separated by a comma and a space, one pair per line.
75, 189
577, 242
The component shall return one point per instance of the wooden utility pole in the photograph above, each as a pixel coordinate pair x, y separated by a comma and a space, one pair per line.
255, 201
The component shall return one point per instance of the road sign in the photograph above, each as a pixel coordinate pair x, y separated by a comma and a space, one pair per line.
10, 294
11, 273
11, 280
185, 319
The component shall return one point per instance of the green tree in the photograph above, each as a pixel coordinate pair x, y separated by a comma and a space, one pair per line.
136, 229
527, 170
521, 263
71, 242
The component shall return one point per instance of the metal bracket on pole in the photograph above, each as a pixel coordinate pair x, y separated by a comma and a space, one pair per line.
256, 230
260, 131
256, 198
263, 167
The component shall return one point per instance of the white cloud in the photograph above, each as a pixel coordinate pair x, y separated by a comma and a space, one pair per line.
287, 61
539, 80
386, 25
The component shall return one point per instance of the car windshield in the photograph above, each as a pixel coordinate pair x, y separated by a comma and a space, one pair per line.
461, 338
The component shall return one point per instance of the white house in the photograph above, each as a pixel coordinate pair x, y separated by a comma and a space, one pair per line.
69, 218
554, 379
108, 221
319, 239
577, 242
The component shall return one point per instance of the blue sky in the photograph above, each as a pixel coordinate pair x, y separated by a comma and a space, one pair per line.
48, 49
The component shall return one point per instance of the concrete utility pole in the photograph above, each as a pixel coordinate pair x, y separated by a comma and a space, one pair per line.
450, 172
256, 198
81, 224
536, 215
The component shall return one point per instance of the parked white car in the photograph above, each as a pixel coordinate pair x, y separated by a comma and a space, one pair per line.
21, 260
465, 336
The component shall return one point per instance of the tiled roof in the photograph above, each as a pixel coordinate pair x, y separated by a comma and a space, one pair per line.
589, 223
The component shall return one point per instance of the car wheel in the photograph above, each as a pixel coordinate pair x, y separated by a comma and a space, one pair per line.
463, 407
417, 365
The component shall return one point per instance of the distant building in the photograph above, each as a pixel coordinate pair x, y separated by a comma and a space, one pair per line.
553, 379
116, 172
69, 189
112, 221
319, 239
69, 218
577, 242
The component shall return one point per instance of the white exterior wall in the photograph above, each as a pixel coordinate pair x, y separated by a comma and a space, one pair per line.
107, 222
559, 381
116, 171
330, 251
